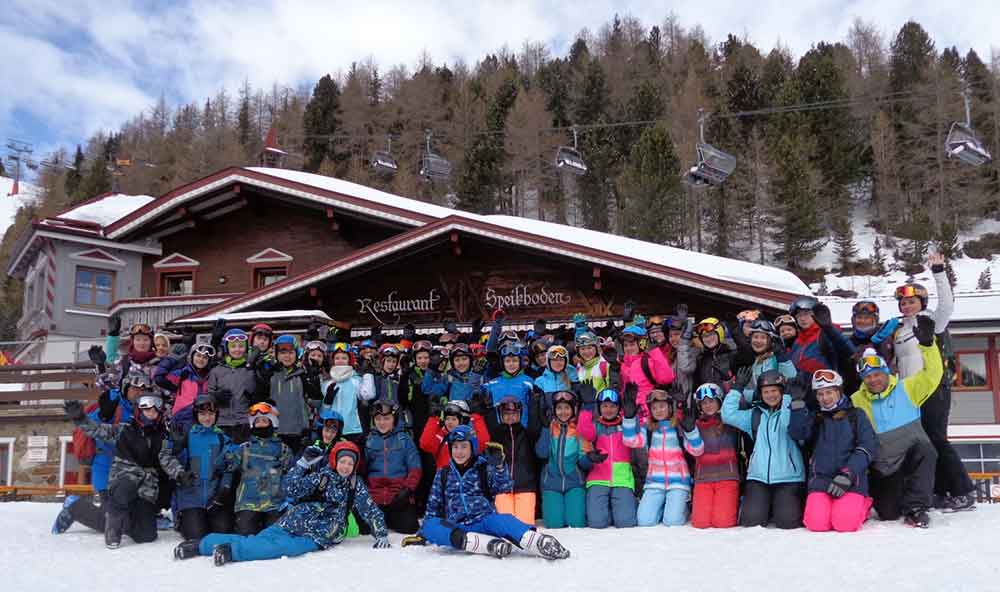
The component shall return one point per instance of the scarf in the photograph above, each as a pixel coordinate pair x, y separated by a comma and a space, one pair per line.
341, 373
235, 362
139, 357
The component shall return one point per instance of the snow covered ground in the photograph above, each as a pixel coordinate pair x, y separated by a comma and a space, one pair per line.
958, 552
9, 204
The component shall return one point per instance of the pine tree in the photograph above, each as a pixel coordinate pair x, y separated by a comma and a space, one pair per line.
482, 176
652, 190
843, 244
321, 122
798, 229
243, 117
75, 173
985, 279
877, 259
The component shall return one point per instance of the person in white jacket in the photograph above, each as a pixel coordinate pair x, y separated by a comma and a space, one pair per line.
953, 488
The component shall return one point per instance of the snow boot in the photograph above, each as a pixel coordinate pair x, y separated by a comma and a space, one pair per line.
222, 554
918, 518
65, 519
413, 540
164, 522
480, 545
959, 503
543, 545
113, 527
187, 549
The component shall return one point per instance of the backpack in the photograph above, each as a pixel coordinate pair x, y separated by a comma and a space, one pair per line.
84, 447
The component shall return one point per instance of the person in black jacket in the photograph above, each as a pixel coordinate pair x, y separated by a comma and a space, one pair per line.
518, 440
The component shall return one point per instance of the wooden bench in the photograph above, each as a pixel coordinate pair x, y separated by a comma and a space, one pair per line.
26, 492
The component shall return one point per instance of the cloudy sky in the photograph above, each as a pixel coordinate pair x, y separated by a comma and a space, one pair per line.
71, 68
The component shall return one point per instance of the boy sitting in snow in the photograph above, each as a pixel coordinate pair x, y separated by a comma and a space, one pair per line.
322, 494
460, 513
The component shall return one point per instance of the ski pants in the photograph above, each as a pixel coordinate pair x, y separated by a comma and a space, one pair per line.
844, 514
607, 506
520, 504
429, 469
135, 516
198, 522
250, 523
908, 489
950, 475
445, 534
401, 517
780, 503
668, 506
560, 510
716, 504
273, 542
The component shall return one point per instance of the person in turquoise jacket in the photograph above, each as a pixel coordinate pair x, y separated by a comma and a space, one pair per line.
769, 354
559, 376
776, 474
564, 493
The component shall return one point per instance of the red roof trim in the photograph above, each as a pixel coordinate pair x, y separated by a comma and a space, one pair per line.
763, 293
264, 178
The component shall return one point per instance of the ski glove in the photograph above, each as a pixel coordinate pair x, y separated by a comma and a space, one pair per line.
219, 499
331, 394
743, 378
74, 411
218, 330
98, 357
839, 485
381, 542
686, 418
587, 393
821, 313
311, 456
628, 312
597, 457
494, 454
629, 407
114, 325
924, 330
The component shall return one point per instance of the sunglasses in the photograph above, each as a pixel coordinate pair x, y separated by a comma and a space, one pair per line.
140, 329
262, 409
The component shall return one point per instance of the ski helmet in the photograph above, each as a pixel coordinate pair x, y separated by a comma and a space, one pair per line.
344, 448
265, 410
586, 339
658, 395
608, 396
204, 400
564, 397
764, 326
384, 408
865, 307
803, 303
770, 378
285, 343
388, 350
511, 404
463, 433
459, 409
555, 352
709, 390
709, 325
422, 346
785, 319
825, 378
138, 379
912, 289
871, 362
459, 349
330, 415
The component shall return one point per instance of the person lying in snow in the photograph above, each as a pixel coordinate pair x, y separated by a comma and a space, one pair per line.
460, 512
321, 494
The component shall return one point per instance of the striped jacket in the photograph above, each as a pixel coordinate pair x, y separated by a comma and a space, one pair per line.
668, 469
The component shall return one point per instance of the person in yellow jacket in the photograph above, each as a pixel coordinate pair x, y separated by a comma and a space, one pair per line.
902, 472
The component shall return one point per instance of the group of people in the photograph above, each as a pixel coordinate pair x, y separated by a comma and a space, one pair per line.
266, 445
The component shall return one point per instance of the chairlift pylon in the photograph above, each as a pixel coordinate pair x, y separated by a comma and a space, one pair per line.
713, 166
434, 167
569, 159
382, 161
962, 142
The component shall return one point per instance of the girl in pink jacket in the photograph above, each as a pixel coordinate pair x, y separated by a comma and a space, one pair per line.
610, 482
645, 369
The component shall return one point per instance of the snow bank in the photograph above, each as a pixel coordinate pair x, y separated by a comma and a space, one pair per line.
958, 552
9, 204
107, 209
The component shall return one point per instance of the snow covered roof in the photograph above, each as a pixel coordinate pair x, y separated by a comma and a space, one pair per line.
701, 263
259, 315
107, 208
981, 306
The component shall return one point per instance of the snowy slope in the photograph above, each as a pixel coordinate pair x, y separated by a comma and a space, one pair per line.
9, 204
958, 552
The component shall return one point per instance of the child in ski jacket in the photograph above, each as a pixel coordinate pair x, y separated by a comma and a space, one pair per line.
394, 469
716, 499
512, 382
559, 375
434, 438
233, 385
458, 383
564, 451
262, 462
668, 480
506, 428
610, 481
196, 459
187, 383
295, 393
592, 368
776, 470
323, 491
843, 444
460, 512
645, 369
341, 393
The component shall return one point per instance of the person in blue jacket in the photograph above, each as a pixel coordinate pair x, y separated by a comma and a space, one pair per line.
460, 513
512, 382
776, 471
559, 376
196, 459
394, 468
458, 383
261, 462
322, 494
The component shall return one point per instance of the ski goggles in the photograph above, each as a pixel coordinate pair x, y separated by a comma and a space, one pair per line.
557, 351
341, 346
510, 405
367, 344
824, 378
511, 350
447, 338
262, 409
383, 409
784, 319
208, 407
315, 346
563, 397
706, 327
508, 336
657, 395
748, 315
236, 337
205, 349
140, 329
150, 402
868, 308
391, 351
867, 363
423, 345
908, 291
708, 391
608, 395
460, 349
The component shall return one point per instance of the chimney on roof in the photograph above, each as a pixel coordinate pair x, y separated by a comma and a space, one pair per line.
272, 155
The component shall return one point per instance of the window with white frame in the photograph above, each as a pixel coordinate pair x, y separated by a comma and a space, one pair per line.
979, 457
7, 461
69, 466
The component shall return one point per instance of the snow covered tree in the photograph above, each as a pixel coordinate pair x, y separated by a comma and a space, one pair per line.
985, 279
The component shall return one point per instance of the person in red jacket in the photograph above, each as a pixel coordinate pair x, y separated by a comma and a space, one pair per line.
433, 440
716, 502
393, 469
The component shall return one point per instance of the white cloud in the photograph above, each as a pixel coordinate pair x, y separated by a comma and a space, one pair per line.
84, 66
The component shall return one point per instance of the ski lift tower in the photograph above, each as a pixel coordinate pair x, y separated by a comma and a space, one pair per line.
19, 153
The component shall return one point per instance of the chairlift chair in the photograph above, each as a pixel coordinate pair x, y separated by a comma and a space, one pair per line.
569, 159
962, 142
434, 167
714, 166
382, 161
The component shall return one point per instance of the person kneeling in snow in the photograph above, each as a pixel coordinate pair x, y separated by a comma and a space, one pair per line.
843, 444
321, 498
460, 513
